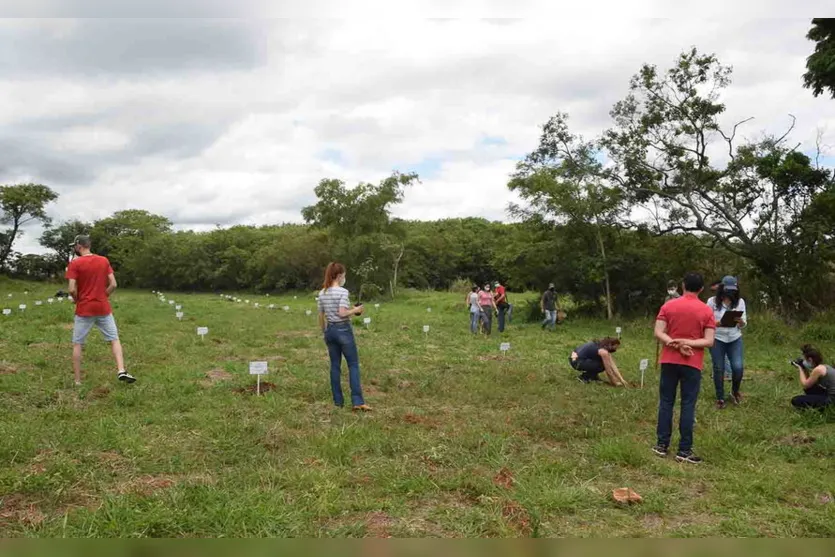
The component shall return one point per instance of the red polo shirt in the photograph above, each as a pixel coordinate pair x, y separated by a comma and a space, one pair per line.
90, 273
686, 317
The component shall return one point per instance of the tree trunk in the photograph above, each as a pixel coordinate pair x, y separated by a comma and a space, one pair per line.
7, 249
605, 272
393, 282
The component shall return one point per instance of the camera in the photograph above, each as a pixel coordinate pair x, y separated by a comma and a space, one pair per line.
797, 362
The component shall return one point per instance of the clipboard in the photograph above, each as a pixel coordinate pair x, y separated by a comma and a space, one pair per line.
729, 318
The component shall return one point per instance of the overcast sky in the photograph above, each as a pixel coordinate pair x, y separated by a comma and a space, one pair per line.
220, 122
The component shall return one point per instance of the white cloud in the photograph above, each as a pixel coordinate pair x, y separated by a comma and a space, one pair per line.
246, 140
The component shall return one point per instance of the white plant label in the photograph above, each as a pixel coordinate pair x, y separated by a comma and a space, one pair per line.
179, 315
170, 302
247, 301
428, 310
21, 307
50, 300
295, 297
178, 307
202, 331
257, 305
308, 313
10, 295
38, 303
258, 368
272, 306
367, 321
644, 364
504, 347
286, 308
426, 328
7, 311
376, 306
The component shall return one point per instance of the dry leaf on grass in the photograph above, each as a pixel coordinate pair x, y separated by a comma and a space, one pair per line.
626, 495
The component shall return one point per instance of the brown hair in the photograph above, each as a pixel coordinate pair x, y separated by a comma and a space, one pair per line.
331, 273
608, 343
812, 354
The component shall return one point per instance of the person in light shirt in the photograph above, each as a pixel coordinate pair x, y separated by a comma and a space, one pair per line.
728, 340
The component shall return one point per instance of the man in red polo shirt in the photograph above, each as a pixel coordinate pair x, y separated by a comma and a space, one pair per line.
91, 283
685, 326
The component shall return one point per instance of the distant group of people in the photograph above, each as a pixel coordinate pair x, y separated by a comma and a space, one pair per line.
484, 303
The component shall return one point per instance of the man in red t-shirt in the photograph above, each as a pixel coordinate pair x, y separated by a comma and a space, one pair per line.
685, 326
91, 283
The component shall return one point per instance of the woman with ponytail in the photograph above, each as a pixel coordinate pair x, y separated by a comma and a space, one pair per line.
335, 314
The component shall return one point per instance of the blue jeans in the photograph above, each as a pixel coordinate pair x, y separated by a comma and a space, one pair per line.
339, 338
733, 352
502, 314
474, 316
550, 318
690, 380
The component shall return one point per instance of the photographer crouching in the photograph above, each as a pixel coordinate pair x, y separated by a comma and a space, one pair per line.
816, 378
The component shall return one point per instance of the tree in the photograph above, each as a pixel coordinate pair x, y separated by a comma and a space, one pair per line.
124, 234
820, 65
20, 204
60, 238
359, 221
564, 180
663, 133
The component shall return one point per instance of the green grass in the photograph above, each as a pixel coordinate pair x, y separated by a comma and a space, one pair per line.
462, 442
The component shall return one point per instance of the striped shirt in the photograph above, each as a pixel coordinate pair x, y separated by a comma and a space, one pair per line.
330, 300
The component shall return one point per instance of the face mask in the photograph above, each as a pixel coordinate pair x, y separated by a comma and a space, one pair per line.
342, 280
671, 292
807, 364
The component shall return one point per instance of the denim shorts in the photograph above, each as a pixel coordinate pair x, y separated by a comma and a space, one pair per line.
83, 325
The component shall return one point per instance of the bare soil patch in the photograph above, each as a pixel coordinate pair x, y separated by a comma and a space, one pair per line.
15, 508
798, 439
504, 479
253, 389
7, 369
99, 392
517, 517
146, 485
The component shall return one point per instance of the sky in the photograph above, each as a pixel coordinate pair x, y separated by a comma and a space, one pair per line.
234, 121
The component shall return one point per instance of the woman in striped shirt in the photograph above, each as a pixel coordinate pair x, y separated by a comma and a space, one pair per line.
335, 314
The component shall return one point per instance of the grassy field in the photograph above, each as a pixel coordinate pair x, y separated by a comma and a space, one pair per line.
463, 442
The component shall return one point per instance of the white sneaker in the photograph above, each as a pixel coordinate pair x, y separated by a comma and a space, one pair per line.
126, 377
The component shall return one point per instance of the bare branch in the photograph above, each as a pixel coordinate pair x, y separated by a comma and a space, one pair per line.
788, 131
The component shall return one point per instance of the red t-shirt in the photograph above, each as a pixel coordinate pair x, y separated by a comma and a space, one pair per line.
90, 273
500, 294
686, 317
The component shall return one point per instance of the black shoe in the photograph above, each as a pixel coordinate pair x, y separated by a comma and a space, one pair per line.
720, 404
661, 450
126, 377
736, 398
688, 456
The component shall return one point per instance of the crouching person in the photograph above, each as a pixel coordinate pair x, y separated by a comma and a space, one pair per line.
595, 357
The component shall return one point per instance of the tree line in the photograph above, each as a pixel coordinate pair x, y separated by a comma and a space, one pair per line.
665, 189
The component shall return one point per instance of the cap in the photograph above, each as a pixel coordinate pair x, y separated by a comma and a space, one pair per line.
730, 283
496, 284
550, 285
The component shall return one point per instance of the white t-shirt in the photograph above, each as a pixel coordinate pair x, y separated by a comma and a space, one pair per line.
728, 334
474, 307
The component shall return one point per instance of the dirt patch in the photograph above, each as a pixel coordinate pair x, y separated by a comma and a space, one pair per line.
798, 439
504, 479
146, 485
99, 392
253, 389
377, 525
494, 358
16, 509
825, 498
44, 345
67, 326
414, 419
404, 384
7, 368
218, 375
517, 517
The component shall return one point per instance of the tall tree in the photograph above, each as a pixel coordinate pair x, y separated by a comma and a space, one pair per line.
563, 180
663, 134
60, 238
20, 204
359, 221
820, 65
124, 234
